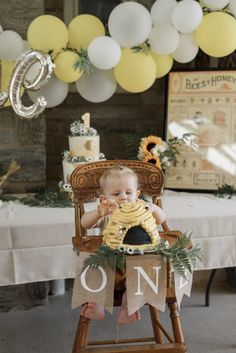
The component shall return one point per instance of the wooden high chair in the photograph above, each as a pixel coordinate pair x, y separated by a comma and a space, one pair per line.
85, 186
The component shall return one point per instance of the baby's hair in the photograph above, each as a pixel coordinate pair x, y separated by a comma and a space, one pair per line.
118, 170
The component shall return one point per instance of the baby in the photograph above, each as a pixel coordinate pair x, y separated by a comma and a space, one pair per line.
119, 185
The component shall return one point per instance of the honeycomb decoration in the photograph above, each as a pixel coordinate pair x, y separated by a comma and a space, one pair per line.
131, 228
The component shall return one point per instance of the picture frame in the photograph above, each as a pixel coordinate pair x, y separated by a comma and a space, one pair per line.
202, 102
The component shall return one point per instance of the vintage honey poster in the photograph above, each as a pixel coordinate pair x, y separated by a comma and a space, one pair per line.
203, 103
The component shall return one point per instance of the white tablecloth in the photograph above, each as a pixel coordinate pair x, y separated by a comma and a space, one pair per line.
35, 243
211, 220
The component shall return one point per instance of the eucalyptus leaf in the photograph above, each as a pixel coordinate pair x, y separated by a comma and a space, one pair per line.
51, 196
181, 256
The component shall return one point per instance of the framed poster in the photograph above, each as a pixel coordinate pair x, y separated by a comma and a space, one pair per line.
203, 103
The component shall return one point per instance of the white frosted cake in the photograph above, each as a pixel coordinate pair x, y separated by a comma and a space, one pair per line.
84, 147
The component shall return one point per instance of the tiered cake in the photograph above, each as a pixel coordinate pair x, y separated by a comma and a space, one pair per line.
84, 147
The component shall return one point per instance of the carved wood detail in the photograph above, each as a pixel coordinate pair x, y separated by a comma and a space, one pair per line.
85, 178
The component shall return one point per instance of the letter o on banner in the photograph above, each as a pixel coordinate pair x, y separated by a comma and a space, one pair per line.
84, 283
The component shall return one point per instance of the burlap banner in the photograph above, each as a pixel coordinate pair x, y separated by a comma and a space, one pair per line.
146, 282
183, 286
93, 285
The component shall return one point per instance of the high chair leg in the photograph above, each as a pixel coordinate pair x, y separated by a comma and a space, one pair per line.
154, 313
176, 325
81, 336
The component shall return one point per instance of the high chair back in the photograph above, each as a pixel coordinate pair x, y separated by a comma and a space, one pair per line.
85, 185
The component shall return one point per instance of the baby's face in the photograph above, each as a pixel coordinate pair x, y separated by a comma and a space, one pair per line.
121, 188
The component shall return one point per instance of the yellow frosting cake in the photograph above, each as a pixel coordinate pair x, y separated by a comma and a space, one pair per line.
134, 216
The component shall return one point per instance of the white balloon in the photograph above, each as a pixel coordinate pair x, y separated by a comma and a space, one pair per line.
215, 4
164, 39
26, 45
187, 16
104, 52
232, 7
186, 50
161, 11
130, 24
11, 45
25, 49
55, 91
97, 86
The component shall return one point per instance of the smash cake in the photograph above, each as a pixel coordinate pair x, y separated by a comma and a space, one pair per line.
131, 228
84, 147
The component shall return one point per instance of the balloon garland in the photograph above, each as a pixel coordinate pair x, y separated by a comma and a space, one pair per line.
141, 46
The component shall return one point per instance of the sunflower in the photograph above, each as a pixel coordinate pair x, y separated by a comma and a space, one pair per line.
147, 143
152, 158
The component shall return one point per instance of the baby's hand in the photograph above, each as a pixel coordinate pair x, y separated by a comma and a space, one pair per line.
149, 206
107, 207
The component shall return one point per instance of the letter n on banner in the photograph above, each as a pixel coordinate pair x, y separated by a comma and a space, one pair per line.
93, 285
145, 281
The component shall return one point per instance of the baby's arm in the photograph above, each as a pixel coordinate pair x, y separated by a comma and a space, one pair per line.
157, 213
90, 219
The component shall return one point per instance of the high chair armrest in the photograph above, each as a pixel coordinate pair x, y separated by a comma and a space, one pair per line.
86, 243
171, 236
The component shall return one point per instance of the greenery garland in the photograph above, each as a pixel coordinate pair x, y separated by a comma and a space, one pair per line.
181, 256
51, 196
82, 63
226, 190
142, 48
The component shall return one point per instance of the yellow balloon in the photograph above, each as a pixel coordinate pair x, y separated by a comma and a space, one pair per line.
7, 69
216, 35
136, 71
64, 69
83, 29
46, 33
164, 64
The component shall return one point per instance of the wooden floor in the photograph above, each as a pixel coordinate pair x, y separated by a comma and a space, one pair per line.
28, 325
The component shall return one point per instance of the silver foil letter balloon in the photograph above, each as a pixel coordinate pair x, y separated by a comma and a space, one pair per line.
3, 97
18, 81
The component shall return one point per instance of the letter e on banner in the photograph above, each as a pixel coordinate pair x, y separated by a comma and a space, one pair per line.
182, 282
183, 285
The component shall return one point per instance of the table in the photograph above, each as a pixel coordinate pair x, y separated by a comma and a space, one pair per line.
213, 223
211, 220
35, 243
